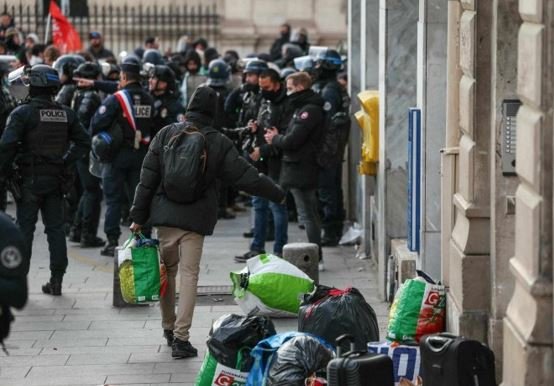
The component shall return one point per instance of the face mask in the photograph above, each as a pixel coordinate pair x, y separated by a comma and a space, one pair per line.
270, 95
250, 87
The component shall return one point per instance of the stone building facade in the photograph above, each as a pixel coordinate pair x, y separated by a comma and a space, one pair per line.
492, 244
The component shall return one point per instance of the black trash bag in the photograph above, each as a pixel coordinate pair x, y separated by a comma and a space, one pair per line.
297, 359
330, 312
231, 333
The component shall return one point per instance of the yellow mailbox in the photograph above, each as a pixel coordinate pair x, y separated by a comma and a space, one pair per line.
368, 120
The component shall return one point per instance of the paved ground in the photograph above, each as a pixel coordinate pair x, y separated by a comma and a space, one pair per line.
80, 339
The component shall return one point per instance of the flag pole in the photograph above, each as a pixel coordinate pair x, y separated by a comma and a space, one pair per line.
48, 27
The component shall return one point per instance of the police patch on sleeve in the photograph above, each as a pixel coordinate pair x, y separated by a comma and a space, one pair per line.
10, 258
102, 109
327, 106
304, 115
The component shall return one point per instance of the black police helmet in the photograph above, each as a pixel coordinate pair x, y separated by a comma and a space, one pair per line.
218, 72
152, 56
66, 64
131, 64
329, 60
43, 76
163, 73
255, 67
88, 71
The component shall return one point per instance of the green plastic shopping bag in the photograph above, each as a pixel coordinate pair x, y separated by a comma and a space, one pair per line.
214, 373
139, 271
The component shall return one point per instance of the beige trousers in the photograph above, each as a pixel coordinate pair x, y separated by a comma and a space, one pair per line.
181, 250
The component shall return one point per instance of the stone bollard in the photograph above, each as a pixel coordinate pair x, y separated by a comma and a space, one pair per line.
305, 256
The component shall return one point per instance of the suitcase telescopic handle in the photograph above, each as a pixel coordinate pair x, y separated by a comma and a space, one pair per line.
438, 343
342, 338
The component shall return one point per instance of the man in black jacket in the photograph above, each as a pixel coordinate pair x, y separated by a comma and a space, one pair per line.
299, 168
183, 226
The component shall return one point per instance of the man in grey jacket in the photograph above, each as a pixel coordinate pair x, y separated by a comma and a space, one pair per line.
183, 226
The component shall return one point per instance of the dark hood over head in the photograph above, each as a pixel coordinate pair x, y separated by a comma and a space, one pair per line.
204, 102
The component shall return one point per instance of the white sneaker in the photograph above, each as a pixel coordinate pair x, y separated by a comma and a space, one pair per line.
321, 266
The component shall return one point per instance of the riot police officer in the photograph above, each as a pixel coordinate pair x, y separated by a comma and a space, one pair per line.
129, 111
327, 65
13, 278
65, 65
85, 224
167, 108
7, 104
218, 80
243, 103
44, 138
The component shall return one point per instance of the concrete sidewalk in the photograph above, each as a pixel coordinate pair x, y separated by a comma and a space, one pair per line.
80, 339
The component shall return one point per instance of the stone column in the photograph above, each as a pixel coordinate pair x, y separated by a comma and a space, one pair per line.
528, 323
397, 87
506, 22
431, 99
469, 265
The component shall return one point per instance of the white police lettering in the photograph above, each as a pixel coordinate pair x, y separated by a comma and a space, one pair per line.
10, 257
53, 116
142, 111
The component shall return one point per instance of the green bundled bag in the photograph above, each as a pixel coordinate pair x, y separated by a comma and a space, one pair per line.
418, 309
270, 286
214, 373
139, 271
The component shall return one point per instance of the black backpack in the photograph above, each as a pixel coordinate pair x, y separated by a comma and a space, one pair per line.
336, 129
184, 162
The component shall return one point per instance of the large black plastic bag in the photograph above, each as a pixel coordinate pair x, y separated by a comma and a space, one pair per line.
297, 359
232, 333
330, 312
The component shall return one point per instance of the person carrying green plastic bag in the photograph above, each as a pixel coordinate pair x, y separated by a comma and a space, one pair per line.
139, 270
270, 286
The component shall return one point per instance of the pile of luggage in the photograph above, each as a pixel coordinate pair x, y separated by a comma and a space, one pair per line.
337, 342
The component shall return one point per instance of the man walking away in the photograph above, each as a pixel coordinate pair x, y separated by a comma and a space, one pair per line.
183, 223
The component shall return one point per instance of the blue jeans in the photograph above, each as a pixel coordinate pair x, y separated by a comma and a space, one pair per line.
280, 218
308, 214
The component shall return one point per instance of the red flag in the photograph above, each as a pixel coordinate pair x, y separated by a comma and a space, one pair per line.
64, 35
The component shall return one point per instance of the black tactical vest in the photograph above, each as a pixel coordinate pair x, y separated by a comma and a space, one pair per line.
48, 142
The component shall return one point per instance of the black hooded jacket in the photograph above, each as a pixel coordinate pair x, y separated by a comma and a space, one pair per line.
301, 141
224, 163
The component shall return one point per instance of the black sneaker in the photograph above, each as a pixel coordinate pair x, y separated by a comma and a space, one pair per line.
53, 287
182, 349
109, 250
247, 255
91, 242
168, 335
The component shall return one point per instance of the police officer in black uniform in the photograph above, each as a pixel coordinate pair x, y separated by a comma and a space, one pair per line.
163, 88
7, 104
243, 102
66, 65
13, 278
125, 166
44, 138
85, 224
336, 107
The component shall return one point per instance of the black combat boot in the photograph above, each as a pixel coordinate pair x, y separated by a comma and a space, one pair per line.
109, 250
53, 287
89, 240
74, 234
